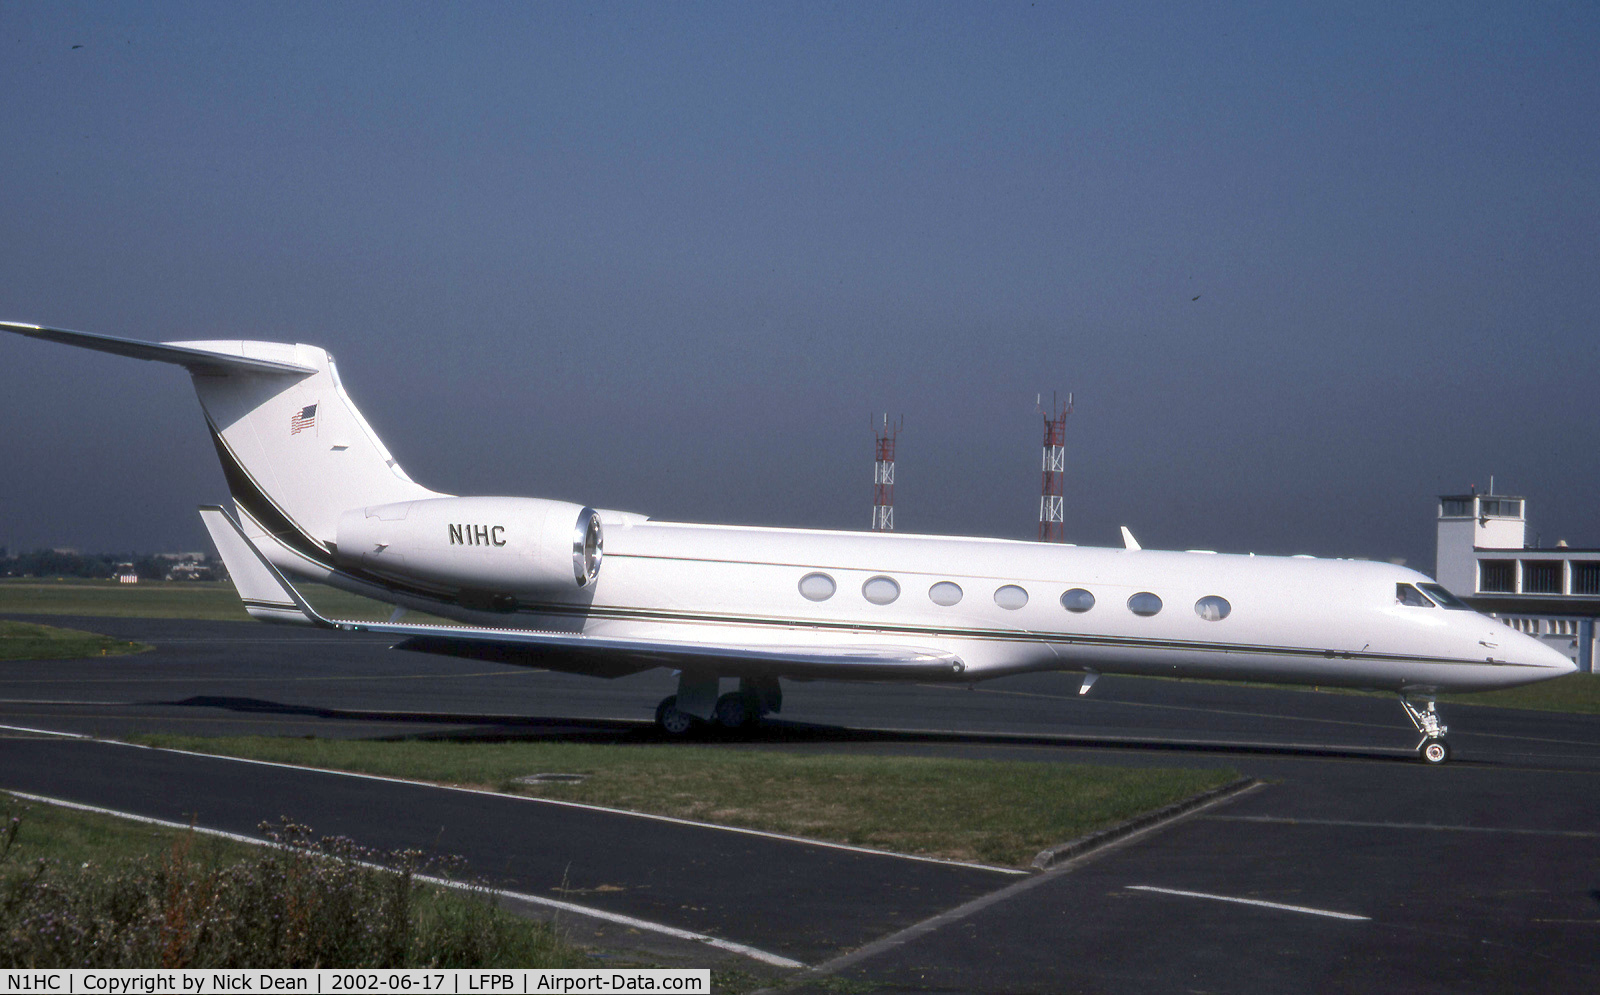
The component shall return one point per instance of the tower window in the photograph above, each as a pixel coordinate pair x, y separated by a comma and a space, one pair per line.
1497, 576
1541, 576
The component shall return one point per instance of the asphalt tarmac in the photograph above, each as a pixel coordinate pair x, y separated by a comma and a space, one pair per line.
1363, 869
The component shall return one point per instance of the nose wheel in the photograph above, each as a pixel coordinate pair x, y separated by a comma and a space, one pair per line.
1433, 750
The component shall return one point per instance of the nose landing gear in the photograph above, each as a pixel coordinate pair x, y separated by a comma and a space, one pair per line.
1432, 750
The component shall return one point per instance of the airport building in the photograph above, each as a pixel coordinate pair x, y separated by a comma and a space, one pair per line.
1552, 593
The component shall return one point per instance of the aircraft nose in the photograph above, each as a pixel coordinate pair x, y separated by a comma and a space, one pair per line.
1537, 653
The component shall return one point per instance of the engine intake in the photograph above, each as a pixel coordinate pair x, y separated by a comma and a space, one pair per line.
498, 546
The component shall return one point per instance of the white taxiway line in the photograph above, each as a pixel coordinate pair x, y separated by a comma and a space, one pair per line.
44, 732
1405, 826
1250, 901
764, 834
777, 960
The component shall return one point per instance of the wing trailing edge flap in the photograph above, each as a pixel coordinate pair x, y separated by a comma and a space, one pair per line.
604, 656
269, 597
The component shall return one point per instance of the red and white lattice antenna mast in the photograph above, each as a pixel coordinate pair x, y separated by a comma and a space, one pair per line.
885, 435
1053, 466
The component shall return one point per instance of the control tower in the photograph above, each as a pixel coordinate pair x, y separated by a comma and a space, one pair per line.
1484, 557
1469, 523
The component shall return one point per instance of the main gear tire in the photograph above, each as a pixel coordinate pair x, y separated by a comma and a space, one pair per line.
673, 722
736, 710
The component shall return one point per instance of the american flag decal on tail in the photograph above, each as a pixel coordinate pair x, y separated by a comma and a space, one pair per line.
303, 419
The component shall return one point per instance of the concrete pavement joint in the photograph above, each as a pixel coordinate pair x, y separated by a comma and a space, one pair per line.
1051, 856
1101, 845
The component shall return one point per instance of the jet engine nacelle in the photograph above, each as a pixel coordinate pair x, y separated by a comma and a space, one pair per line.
498, 548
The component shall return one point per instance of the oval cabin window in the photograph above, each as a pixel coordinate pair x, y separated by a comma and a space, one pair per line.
1212, 608
817, 587
1144, 603
1011, 597
945, 593
1077, 600
880, 590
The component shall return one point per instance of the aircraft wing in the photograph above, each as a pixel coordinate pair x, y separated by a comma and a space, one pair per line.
603, 656
271, 598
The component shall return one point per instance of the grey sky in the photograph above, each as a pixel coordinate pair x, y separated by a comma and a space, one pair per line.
670, 257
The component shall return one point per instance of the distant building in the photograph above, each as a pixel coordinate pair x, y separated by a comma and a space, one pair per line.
1552, 593
191, 566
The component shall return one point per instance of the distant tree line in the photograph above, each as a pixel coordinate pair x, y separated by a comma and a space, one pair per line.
103, 566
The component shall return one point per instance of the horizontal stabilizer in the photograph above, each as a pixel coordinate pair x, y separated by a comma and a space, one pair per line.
202, 358
266, 595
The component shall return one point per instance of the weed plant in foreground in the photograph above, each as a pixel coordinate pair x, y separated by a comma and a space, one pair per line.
298, 903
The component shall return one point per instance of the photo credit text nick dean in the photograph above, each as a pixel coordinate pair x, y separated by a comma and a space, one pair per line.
354, 982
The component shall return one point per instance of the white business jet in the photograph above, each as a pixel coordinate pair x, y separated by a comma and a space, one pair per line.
318, 496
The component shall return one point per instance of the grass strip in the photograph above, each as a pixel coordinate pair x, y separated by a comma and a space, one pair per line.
172, 599
996, 812
1579, 693
25, 641
84, 889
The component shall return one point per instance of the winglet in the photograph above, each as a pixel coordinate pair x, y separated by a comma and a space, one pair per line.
1128, 541
265, 593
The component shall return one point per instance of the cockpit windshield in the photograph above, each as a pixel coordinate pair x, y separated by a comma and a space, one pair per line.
1445, 598
1411, 597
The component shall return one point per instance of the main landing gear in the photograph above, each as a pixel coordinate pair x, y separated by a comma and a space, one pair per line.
697, 705
1433, 750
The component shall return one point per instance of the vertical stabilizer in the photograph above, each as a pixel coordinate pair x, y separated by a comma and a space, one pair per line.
297, 453
294, 449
